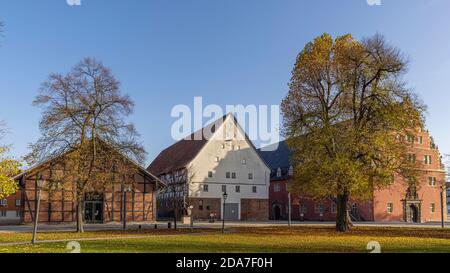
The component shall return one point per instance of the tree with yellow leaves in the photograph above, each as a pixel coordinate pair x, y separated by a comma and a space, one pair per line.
8, 168
344, 117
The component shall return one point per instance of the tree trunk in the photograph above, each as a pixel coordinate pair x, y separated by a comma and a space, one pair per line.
342, 219
175, 214
80, 220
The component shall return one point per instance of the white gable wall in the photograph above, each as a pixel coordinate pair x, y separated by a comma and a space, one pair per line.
231, 154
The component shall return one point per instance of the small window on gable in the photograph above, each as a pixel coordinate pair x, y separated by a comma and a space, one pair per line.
250, 176
279, 172
427, 159
420, 139
244, 162
210, 174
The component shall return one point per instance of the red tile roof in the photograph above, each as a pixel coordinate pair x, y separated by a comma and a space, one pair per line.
177, 156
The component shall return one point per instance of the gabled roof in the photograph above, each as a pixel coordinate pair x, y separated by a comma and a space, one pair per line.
51, 159
277, 157
180, 154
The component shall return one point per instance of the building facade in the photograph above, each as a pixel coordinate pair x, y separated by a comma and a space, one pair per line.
396, 203
10, 209
215, 160
131, 197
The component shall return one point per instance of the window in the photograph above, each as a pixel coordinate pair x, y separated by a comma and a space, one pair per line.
238, 188
291, 171
427, 159
250, 176
333, 208
410, 138
420, 139
18, 202
224, 188
303, 209
254, 189
205, 188
276, 187
228, 175
390, 208
233, 175
432, 207
411, 158
318, 208
17, 213
3, 213
223, 146
200, 204
279, 172
432, 181
210, 174
217, 159
244, 162
238, 147
3, 202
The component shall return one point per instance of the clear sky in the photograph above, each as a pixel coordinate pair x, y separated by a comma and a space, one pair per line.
165, 52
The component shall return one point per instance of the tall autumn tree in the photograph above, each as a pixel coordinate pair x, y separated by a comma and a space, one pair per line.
344, 117
84, 126
8, 168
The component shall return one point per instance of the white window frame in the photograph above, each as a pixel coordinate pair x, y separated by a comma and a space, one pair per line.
277, 187
428, 160
390, 207
18, 202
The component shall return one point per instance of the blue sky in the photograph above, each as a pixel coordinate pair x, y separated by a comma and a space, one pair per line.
165, 52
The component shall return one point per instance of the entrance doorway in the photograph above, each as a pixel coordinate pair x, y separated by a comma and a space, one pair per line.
276, 212
93, 208
414, 214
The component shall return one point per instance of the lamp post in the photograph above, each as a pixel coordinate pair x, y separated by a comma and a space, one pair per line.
225, 195
39, 184
443, 191
289, 209
126, 190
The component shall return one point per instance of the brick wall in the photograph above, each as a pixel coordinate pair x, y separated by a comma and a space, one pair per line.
255, 209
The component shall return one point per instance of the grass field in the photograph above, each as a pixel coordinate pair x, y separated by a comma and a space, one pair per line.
240, 240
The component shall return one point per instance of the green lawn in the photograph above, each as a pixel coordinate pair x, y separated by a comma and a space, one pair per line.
298, 239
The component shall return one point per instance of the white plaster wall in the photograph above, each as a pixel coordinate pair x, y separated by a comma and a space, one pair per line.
230, 160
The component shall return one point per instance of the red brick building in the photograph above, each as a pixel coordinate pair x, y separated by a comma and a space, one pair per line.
112, 203
10, 209
396, 203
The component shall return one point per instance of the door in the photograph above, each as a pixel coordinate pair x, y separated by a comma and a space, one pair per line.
414, 214
231, 212
276, 212
93, 212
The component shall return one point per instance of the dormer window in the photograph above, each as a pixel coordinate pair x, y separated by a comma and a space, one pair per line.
244, 162
279, 172
291, 171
